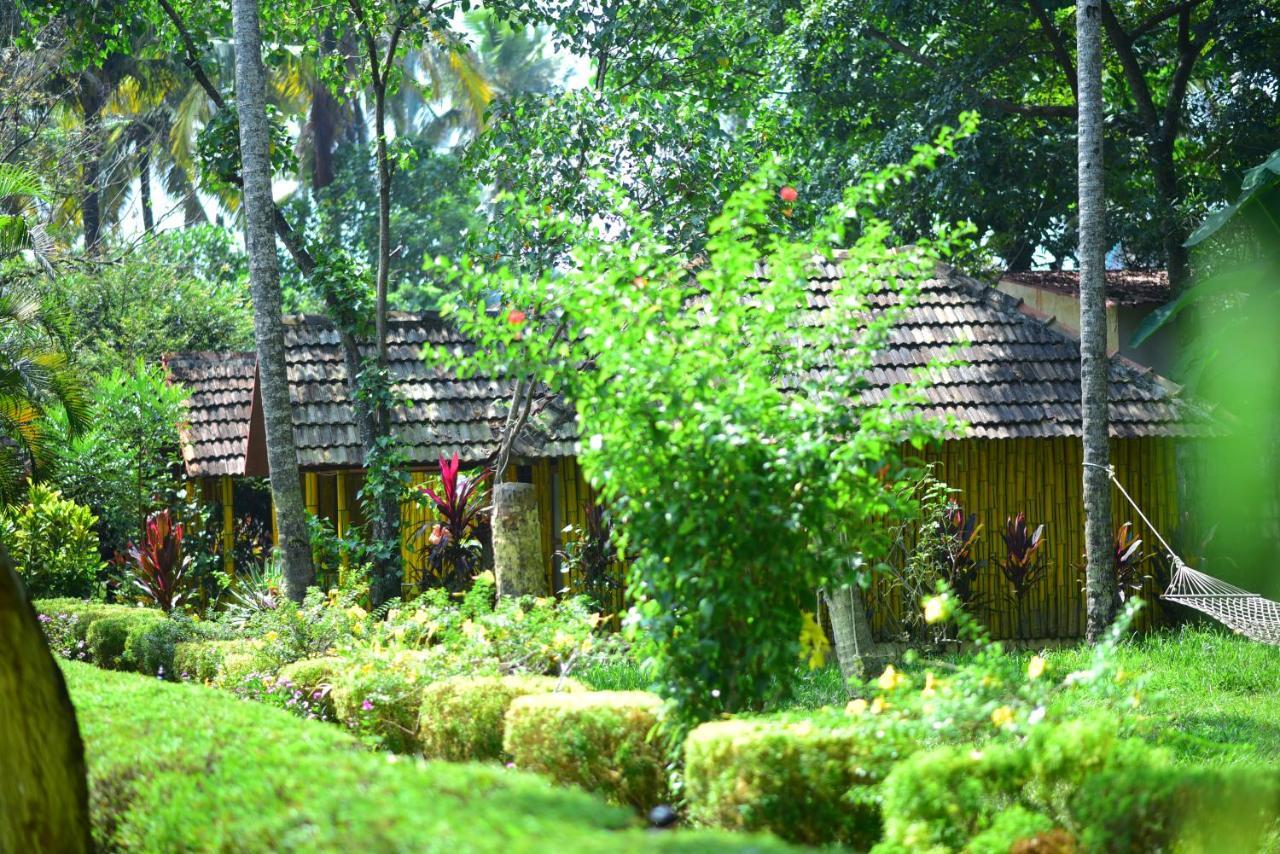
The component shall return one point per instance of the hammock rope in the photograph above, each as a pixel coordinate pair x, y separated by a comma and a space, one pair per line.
1247, 613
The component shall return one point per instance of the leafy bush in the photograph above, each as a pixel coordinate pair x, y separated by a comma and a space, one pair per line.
53, 544
602, 741
249, 777
378, 694
109, 636
462, 718
810, 780
201, 661
160, 571
721, 475
1110, 793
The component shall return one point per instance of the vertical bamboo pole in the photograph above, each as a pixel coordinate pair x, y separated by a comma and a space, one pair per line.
227, 496
344, 519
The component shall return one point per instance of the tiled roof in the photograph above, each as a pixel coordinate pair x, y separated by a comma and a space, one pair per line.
1124, 287
1017, 379
216, 434
444, 415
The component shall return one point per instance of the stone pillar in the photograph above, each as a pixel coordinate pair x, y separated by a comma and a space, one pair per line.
517, 541
852, 630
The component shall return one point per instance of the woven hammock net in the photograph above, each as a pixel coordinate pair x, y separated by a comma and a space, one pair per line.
1247, 613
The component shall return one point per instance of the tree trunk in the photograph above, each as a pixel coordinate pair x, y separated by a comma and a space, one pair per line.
386, 521
264, 282
517, 541
144, 191
848, 612
91, 102
43, 784
1100, 578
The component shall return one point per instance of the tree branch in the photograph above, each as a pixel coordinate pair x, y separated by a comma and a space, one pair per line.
1137, 81
1002, 104
1154, 20
1060, 52
1188, 54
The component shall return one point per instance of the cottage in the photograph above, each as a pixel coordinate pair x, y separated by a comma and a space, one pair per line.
1017, 387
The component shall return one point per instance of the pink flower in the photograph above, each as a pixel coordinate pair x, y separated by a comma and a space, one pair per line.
788, 194
367, 705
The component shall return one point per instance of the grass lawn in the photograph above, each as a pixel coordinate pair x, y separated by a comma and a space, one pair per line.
1210, 696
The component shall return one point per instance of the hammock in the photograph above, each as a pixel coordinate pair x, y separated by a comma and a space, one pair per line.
1247, 613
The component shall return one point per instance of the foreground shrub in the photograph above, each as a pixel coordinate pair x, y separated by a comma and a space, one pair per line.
53, 544
1106, 792
599, 740
807, 780
251, 778
462, 718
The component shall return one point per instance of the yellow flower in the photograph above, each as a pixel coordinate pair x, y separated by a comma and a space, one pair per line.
930, 685
937, 609
1002, 717
1035, 667
856, 707
270, 636
487, 576
878, 705
890, 679
357, 629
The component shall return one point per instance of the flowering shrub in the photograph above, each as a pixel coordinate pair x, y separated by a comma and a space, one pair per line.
283, 693
64, 635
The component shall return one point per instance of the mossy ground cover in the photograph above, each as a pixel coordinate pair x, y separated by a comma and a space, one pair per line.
185, 767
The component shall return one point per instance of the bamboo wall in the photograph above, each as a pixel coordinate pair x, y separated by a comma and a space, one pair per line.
996, 479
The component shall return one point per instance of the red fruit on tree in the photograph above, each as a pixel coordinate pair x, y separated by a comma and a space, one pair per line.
516, 317
788, 194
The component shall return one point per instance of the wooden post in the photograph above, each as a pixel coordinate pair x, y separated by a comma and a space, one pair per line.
227, 493
517, 541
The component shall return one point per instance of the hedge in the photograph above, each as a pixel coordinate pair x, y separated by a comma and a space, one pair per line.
185, 767
1091, 789
462, 718
809, 780
599, 740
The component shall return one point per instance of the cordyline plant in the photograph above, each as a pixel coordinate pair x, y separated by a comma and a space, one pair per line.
958, 552
591, 553
158, 566
1023, 564
722, 426
452, 546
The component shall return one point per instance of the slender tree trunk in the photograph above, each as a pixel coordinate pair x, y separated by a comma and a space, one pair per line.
91, 102
386, 521
1100, 579
43, 784
264, 280
144, 191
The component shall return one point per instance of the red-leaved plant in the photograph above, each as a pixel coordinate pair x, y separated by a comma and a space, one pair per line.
158, 566
452, 544
958, 553
1022, 565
